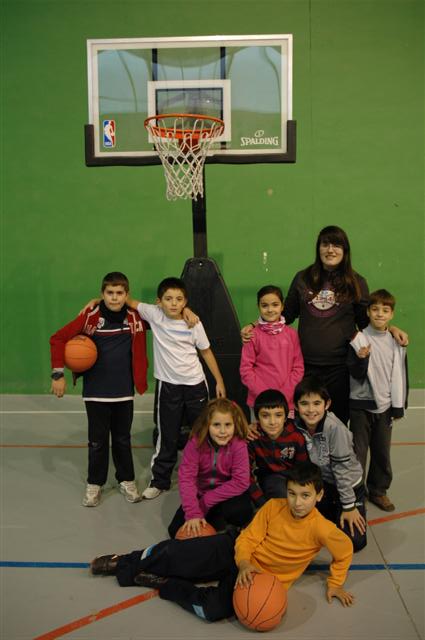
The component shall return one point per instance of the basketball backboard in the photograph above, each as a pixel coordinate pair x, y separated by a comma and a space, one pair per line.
244, 80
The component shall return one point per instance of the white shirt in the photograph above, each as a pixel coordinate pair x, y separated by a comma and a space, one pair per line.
381, 361
175, 346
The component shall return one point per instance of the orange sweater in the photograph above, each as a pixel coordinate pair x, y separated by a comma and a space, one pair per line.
277, 543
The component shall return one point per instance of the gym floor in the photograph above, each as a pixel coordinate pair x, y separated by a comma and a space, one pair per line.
48, 539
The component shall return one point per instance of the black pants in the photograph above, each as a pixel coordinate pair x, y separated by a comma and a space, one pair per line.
237, 511
330, 507
185, 562
337, 381
372, 431
173, 401
114, 418
273, 485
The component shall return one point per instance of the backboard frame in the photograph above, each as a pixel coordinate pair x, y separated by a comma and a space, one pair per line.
98, 156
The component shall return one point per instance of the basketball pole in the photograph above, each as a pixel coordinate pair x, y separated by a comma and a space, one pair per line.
210, 299
199, 221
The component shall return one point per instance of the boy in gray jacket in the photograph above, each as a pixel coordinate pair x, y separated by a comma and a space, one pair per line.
378, 394
330, 445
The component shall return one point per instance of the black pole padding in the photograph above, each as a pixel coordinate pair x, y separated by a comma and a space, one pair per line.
199, 219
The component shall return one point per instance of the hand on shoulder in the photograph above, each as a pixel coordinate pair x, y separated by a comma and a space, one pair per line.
247, 333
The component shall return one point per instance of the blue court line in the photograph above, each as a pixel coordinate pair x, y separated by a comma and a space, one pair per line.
46, 565
374, 567
313, 567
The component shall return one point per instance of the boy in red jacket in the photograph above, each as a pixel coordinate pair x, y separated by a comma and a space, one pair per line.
108, 386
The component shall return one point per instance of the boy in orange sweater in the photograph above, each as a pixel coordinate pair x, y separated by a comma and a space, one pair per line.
283, 538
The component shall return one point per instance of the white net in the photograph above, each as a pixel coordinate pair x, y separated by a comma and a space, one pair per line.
182, 143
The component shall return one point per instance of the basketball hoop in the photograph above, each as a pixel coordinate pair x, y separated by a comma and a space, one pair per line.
183, 146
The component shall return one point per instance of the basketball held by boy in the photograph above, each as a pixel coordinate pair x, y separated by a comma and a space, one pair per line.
108, 386
282, 539
181, 390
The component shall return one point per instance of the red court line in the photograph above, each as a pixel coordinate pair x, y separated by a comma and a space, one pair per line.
396, 516
62, 446
403, 444
126, 604
103, 613
138, 446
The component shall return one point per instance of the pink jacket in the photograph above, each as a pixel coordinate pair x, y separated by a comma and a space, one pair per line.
208, 476
272, 362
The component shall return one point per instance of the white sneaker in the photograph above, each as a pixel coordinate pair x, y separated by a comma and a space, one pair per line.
130, 491
92, 497
151, 492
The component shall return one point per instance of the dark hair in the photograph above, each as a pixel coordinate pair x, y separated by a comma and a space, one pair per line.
305, 473
270, 288
171, 283
115, 278
222, 405
309, 385
270, 399
381, 296
346, 283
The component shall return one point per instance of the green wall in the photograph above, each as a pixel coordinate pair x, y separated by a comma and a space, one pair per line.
358, 102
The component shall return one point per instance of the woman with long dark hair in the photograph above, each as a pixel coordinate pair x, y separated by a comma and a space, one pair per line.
330, 300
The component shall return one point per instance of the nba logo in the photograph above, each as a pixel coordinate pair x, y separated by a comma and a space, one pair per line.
109, 133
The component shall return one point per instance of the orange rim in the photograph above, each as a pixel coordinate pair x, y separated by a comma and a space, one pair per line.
180, 134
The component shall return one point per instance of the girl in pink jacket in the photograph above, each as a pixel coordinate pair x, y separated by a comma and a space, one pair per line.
272, 359
214, 471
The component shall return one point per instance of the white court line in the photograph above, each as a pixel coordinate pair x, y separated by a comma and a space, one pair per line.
136, 411
26, 412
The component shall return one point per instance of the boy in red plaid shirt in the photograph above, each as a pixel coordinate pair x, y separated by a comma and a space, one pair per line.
275, 446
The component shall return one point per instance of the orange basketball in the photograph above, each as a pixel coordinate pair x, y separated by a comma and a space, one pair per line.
208, 530
262, 605
80, 353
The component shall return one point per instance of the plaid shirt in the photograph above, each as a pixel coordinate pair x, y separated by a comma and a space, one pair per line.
268, 456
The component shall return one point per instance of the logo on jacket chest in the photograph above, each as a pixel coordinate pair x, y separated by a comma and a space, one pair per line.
323, 304
287, 453
318, 449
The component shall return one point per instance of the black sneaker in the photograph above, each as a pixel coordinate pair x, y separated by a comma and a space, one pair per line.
149, 580
104, 565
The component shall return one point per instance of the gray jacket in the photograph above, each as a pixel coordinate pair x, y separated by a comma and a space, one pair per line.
365, 376
331, 448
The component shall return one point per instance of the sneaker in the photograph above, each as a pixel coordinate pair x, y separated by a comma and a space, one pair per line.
104, 565
92, 497
130, 491
151, 492
383, 502
149, 580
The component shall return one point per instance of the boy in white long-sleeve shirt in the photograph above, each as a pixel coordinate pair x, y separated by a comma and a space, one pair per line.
378, 394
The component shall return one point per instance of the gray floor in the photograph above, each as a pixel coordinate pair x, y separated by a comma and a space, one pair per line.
48, 538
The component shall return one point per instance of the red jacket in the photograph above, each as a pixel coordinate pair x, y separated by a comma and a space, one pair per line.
87, 323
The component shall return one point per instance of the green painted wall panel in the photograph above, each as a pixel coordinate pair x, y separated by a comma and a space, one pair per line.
358, 101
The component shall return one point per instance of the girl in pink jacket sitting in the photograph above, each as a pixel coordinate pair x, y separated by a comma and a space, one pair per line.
272, 359
214, 471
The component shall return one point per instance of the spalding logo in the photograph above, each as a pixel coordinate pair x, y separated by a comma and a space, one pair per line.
260, 139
